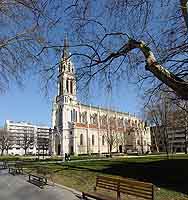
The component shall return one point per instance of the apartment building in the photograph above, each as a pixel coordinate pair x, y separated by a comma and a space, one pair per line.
27, 138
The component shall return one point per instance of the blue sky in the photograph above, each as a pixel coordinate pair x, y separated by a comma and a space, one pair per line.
30, 104
25, 104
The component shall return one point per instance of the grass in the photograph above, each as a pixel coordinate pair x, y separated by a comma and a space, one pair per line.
170, 176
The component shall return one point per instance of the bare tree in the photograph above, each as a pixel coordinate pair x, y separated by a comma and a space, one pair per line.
126, 37
158, 117
114, 39
111, 139
112, 136
27, 141
25, 28
9, 143
42, 144
5, 141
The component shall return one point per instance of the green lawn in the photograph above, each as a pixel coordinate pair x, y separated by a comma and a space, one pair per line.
170, 176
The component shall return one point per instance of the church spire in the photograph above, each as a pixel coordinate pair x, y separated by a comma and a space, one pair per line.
65, 48
66, 77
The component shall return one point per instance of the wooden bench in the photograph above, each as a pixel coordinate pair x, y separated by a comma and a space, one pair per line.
38, 180
121, 188
3, 165
16, 168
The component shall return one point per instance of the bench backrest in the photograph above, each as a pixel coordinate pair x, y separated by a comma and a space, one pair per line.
107, 183
137, 188
126, 186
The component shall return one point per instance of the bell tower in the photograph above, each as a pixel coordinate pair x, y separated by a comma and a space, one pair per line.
66, 77
65, 101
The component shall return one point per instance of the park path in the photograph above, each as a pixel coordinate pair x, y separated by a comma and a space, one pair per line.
17, 188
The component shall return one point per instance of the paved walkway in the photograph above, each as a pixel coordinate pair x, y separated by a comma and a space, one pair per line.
17, 188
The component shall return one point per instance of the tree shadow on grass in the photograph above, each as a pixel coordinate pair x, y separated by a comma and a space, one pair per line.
170, 174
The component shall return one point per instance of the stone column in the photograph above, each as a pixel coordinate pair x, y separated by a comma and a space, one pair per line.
75, 142
62, 146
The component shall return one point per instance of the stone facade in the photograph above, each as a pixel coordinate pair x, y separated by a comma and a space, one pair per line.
86, 129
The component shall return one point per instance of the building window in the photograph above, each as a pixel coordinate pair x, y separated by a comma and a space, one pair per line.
93, 140
67, 85
83, 117
74, 115
71, 87
60, 116
144, 142
71, 116
138, 142
81, 139
103, 140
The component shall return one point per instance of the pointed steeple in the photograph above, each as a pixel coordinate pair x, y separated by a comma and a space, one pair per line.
65, 48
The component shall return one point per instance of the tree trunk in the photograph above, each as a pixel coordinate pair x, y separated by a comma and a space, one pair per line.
166, 144
156, 144
110, 150
178, 85
184, 9
2, 151
185, 141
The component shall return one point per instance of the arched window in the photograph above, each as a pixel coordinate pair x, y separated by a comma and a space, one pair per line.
93, 140
81, 139
69, 68
60, 116
72, 116
103, 140
67, 85
60, 90
76, 117
71, 87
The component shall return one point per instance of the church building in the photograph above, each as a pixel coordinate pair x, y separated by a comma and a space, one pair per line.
85, 129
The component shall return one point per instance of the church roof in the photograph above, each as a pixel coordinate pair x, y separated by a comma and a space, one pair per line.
106, 109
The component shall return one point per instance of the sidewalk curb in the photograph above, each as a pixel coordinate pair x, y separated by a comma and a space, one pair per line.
66, 188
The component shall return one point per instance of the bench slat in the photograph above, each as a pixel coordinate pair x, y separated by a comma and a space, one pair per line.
108, 188
134, 182
98, 196
135, 187
125, 190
